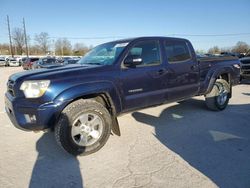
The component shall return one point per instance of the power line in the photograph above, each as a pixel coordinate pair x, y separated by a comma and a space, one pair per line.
168, 35
211, 35
94, 38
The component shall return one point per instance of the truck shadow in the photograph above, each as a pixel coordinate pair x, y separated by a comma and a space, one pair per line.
215, 143
53, 166
247, 94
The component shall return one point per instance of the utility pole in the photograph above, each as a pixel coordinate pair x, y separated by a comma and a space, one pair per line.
25, 38
11, 48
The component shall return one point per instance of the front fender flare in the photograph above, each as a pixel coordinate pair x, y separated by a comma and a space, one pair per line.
93, 88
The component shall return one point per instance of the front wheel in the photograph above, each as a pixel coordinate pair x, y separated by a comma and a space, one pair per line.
83, 127
218, 98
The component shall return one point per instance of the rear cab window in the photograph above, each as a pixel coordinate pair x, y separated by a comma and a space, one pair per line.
177, 51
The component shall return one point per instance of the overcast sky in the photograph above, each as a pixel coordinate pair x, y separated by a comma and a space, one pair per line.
97, 21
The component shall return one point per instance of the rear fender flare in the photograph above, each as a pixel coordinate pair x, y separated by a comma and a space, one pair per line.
215, 75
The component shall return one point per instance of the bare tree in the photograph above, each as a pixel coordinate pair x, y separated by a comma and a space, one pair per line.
80, 49
214, 50
43, 41
198, 51
4, 49
35, 50
18, 39
241, 47
63, 47
226, 49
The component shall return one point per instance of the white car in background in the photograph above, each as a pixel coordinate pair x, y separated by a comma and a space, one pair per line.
13, 62
19, 59
2, 61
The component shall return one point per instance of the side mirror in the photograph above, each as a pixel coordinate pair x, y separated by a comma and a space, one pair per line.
132, 61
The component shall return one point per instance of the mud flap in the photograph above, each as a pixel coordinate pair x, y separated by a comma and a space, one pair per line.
115, 127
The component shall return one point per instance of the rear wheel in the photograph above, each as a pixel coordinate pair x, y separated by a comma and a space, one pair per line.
84, 127
218, 98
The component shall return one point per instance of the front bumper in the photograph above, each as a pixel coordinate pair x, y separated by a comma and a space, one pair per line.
245, 70
32, 116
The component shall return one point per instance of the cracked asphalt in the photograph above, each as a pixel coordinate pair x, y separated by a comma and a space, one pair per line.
173, 145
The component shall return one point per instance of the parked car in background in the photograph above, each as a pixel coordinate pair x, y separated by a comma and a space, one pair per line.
19, 58
2, 61
62, 59
245, 66
22, 60
46, 62
70, 61
12, 62
239, 55
34, 65
208, 55
27, 64
200, 55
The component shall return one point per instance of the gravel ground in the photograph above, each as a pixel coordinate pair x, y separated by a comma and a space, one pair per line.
174, 145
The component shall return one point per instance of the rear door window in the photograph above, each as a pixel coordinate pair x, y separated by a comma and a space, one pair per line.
177, 51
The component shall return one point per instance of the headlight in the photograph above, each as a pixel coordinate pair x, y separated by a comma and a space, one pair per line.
236, 66
34, 88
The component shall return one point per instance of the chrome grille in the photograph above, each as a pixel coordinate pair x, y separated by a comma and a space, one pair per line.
10, 87
245, 61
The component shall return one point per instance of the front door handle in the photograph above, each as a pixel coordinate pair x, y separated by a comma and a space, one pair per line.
158, 73
193, 67
162, 71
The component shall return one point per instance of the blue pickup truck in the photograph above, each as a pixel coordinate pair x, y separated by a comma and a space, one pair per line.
81, 102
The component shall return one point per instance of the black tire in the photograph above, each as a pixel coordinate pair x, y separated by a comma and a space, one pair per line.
68, 117
212, 98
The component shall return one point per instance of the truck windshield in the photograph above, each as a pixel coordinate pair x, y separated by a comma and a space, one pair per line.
104, 54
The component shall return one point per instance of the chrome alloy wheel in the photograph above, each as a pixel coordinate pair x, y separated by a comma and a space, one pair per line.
87, 129
223, 95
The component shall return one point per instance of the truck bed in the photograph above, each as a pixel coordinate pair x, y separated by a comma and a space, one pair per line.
217, 58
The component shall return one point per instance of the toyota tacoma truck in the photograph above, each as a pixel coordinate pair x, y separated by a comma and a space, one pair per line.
81, 102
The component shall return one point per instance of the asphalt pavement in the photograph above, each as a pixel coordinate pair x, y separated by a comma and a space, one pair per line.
173, 145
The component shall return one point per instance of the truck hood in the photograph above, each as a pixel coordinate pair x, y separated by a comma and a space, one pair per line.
51, 72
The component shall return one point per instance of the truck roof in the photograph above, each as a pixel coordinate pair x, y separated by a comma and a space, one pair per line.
148, 37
